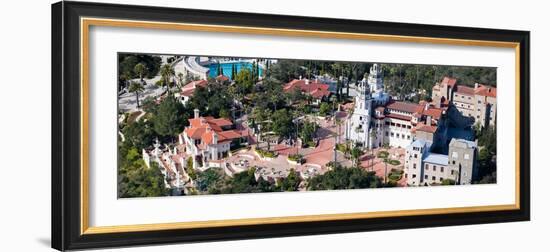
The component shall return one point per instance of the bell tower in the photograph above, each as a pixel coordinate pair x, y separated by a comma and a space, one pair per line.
376, 79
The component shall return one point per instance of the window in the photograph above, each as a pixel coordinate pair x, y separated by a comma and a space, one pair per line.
406, 175
408, 137
387, 133
440, 179
434, 167
466, 156
403, 136
433, 177
415, 156
442, 169
392, 134
397, 135
387, 123
425, 176
360, 118
414, 166
414, 175
454, 162
427, 167
392, 124
408, 126
478, 101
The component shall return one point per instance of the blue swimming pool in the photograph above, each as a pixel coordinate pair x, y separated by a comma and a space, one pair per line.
226, 68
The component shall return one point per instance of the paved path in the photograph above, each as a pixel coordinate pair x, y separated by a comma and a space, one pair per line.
378, 165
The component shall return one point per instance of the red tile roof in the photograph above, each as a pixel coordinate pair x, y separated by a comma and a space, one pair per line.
190, 87
484, 90
204, 128
314, 88
425, 128
399, 117
449, 81
405, 106
222, 78
465, 90
435, 113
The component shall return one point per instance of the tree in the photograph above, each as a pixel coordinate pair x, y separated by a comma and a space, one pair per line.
324, 109
344, 178
356, 152
140, 69
169, 119
139, 134
290, 182
208, 179
135, 179
282, 123
166, 73
181, 79
127, 63
136, 88
286, 70
244, 81
307, 131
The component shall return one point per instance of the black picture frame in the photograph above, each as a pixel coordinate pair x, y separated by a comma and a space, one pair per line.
66, 155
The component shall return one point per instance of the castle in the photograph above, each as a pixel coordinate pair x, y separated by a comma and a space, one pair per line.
435, 134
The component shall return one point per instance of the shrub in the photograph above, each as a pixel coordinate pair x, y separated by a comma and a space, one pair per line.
268, 154
296, 158
342, 148
383, 154
394, 162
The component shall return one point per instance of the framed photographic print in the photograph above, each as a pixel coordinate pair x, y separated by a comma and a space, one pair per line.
178, 125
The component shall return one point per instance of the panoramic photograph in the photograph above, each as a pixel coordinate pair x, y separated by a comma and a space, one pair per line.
201, 125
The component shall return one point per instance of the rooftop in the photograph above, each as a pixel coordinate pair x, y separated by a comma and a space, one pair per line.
206, 128
462, 143
484, 90
449, 81
407, 107
314, 88
434, 158
465, 90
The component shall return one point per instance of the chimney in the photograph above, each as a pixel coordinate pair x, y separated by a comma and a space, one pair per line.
427, 106
476, 85
196, 111
307, 81
429, 120
300, 77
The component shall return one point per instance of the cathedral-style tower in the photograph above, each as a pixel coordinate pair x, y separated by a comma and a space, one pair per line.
376, 80
358, 125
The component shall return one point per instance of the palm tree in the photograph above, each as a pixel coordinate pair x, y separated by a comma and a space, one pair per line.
386, 160
166, 73
356, 152
339, 123
136, 88
180, 79
140, 69
373, 134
